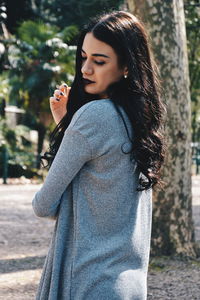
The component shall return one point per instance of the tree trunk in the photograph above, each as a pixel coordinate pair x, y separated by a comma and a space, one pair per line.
173, 231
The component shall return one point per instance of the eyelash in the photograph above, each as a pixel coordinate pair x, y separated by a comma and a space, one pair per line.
100, 63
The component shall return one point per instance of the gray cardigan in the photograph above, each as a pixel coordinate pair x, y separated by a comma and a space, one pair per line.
101, 242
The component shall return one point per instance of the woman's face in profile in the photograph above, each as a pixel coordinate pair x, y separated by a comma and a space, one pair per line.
99, 66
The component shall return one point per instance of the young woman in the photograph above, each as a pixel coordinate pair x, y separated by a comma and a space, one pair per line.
105, 155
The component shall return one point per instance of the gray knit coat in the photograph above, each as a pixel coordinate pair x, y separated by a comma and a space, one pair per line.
101, 242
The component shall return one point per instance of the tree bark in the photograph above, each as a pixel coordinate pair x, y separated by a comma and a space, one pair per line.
173, 230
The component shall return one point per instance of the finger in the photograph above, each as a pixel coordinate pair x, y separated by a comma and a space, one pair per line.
63, 85
64, 88
58, 93
54, 99
67, 90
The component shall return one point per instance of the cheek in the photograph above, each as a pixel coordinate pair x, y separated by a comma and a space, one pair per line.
103, 77
111, 75
110, 71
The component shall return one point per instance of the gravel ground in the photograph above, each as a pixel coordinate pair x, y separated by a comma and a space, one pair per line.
174, 279
24, 241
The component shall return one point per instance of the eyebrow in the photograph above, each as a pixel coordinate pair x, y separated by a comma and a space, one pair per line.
97, 54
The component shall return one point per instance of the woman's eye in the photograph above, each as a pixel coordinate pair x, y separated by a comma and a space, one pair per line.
99, 62
83, 58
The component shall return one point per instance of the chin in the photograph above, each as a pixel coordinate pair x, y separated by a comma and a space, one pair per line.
91, 91
101, 94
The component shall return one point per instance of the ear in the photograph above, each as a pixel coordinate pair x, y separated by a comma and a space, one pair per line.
126, 71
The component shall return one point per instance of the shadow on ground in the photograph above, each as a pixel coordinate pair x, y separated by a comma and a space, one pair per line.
26, 263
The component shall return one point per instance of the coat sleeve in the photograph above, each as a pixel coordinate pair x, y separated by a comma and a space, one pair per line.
73, 153
87, 137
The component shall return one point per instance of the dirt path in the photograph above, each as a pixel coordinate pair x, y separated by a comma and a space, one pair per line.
24, 241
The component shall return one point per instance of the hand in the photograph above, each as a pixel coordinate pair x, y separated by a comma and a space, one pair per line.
58, 103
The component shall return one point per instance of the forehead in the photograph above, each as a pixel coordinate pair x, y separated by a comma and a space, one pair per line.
92, 45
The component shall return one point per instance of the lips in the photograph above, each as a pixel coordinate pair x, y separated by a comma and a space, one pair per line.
87, 81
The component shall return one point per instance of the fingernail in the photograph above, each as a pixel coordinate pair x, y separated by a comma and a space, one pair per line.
57, 99
61, 93
65, 85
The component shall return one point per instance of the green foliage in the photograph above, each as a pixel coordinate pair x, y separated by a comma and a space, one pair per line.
4, 86
39, 58
19, 148
64, 13
34, 33
18, 11
192, 13
58, 12
34, 62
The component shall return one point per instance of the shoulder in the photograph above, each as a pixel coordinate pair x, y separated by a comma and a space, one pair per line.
97, 111
99, 123
96, 107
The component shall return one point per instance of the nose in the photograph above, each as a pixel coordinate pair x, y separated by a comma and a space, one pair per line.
86, 68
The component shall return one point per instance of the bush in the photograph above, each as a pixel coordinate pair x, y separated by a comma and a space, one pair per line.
17, 151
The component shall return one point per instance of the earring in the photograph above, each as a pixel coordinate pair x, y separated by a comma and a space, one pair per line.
125, 76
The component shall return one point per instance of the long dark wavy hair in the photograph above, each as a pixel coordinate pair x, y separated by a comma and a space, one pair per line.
138, 94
